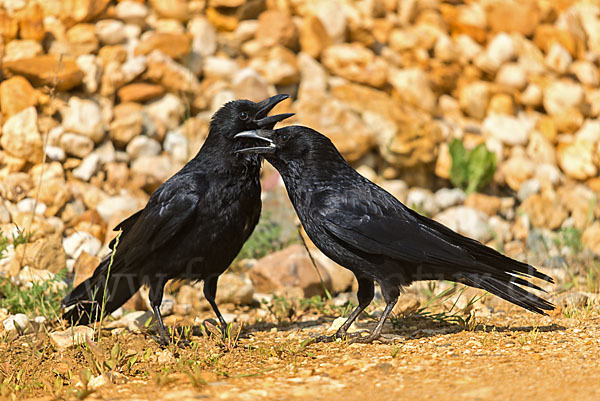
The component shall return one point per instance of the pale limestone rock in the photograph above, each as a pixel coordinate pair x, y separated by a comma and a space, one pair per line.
474, 99
412, 84
576, 159
84, 117
508, 129
20, 136
513, 75
560, 96
467, 221
586, 72
76, 145
558, 58
71, 337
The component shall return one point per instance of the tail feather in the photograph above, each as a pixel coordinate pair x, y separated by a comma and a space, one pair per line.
482, 267
83, 304
509, 291
491, 257
484, 258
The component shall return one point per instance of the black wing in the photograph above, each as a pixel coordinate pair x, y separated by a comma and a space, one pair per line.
371, 224
125, 226
170, 210
373, 221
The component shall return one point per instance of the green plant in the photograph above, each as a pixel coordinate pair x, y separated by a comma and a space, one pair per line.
163, 377
21, 237
569, 237
194, 374
292, 309
117, 361
461, 316
85, 375
280, 308
41, 299
228, 339
325, 306
472, 170
265, 239
490, 337
105, 294
578, 312
592, 278
3, 244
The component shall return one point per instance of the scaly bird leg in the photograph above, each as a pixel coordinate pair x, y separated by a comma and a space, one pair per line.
366, 291
210, 293
376, 333
162, 331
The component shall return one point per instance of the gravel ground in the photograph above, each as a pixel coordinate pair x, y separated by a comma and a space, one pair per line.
509, 355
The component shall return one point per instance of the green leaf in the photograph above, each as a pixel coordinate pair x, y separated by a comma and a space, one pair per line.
114, 352
131, 361
458, 171
472, 170
85, 375
480, 168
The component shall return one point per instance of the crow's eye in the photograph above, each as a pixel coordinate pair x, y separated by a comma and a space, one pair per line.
243, 115
284, 137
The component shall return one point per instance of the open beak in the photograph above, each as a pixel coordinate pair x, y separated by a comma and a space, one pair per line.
264, 135
265, 107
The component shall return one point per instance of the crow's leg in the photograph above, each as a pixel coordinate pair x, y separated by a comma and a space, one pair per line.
162, 331
366, 291
156, 296
390, 294
210, 293
155, 301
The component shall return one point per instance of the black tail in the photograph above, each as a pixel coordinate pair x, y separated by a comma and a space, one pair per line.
84, 304
485, 268
510, 291
506, 278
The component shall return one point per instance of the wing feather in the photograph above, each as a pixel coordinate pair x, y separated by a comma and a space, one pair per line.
374, 227
169, 211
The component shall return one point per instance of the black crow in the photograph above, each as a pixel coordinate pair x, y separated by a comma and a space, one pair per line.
365, 229
192, 227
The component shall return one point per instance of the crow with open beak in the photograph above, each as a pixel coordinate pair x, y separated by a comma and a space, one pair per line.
192, 227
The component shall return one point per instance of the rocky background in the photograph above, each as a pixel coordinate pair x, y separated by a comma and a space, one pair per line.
102, 100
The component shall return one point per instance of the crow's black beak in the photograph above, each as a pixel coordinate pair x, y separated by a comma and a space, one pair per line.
265, 107
265, 135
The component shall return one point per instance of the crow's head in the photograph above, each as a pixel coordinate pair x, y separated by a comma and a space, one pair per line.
290, 146
242, 115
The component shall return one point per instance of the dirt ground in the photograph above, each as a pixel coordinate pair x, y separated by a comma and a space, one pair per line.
510, 355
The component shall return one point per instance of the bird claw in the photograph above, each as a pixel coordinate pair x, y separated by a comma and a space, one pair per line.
183, 343
164, 341
370, 339
336, 336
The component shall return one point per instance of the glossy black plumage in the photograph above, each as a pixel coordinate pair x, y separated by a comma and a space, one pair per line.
365, 229
192, 227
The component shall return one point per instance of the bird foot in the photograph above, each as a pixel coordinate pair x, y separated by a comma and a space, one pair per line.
164, 341
370, 339
336, 336
183, 343
218, 330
